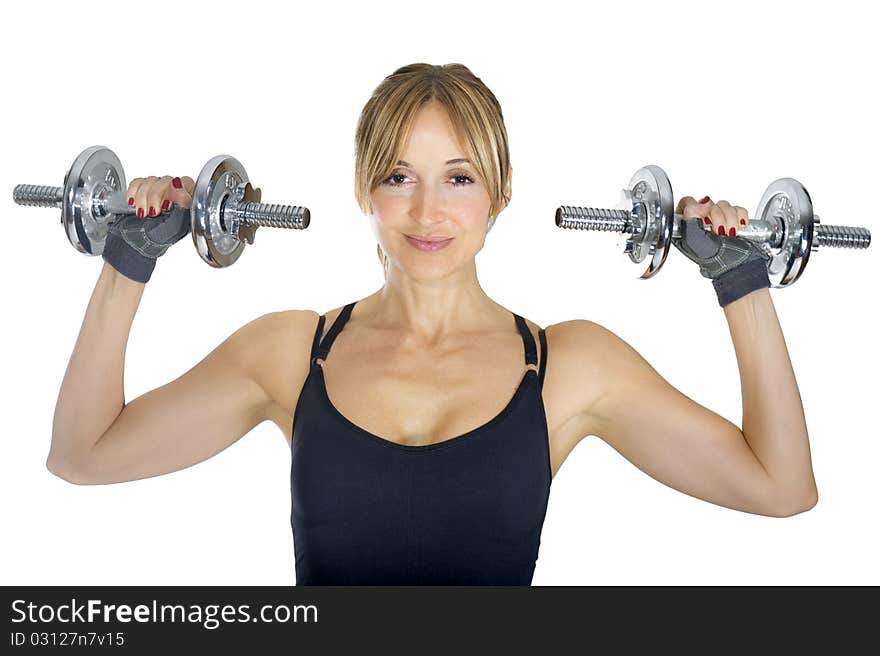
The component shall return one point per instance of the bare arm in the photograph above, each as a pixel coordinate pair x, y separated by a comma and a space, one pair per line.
92, 393
764, 468
773, 420
97, 438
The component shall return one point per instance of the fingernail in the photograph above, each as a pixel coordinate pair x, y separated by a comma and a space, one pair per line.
732, 232
131, 200
705, 200
177, 183
140, 212
721, 230
707, 220
165, 204
742, 221
152, 211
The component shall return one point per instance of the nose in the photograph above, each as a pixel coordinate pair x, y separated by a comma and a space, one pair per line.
428, 206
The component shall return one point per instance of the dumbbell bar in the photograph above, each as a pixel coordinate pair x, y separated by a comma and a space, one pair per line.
225, 212
784, 225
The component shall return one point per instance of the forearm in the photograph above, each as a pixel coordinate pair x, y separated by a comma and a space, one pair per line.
92, 393
773, 421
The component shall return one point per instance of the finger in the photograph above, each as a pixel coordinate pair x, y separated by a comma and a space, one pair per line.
181, 195
140, 197
695, 211
156, 196
132, 190
704, 211
689, 201
716, 216
742, 216
700, 209
683, 204
721, 221
188, 183
730, 219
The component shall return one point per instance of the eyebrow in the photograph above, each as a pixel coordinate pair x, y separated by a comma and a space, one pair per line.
449, 161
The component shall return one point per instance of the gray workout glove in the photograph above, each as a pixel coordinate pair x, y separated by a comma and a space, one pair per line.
735, 265
133, 245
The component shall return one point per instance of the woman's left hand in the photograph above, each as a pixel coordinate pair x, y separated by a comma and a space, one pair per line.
707, 236
721, 217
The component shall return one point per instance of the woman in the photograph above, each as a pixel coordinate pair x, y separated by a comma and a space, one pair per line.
426, 420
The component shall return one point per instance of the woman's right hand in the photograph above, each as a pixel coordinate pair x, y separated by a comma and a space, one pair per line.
161, 218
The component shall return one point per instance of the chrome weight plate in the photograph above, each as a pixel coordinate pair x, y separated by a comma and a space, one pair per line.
216, 236
787, 207
650, 185
95, 173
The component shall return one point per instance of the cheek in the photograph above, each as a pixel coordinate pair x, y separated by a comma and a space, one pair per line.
475, 205
388, 206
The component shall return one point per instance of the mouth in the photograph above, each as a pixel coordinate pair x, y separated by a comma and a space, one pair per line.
429, 239
429, 243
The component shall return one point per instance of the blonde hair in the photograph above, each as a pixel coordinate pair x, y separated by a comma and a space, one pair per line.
386, 120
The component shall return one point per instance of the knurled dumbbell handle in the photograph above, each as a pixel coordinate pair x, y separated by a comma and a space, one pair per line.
612, 220
273, 216
843, 236
38, 195
258, 214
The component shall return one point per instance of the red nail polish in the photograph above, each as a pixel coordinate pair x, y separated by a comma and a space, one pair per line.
721, 230
732, 232
742, 221
177, 183
140, 212
707, 220
131, 200
705, 200
152, 211
165, 204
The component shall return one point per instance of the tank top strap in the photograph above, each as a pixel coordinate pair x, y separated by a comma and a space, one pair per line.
528, 340
323, 349
318, 331
543, 367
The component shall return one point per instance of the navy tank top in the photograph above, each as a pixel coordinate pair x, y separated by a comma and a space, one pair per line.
465, 511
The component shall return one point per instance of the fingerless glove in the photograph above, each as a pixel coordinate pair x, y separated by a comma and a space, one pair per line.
133, 245
735, 265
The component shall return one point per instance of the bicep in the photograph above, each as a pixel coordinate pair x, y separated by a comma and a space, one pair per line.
189, 419
668, 435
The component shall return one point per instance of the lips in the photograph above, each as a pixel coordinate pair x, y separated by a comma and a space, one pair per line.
429, 246
428, 239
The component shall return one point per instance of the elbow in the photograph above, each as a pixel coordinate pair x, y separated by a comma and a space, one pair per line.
796, 506
64, 470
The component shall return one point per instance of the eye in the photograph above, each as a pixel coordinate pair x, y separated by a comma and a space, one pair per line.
388, 181
397, 180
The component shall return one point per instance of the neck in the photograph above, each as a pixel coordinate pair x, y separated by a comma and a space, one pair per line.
426, 312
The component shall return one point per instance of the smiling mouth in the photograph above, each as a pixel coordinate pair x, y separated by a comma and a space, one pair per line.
428, 239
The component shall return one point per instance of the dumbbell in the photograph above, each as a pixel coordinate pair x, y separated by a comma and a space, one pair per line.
225, 212
784, 226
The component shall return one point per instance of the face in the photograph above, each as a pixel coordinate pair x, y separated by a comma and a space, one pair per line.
433, 193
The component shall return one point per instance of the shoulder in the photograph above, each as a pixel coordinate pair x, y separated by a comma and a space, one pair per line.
574, 338
274, 348
582, 339
563, 340
281, 328
590, 349
595, 351
585, 361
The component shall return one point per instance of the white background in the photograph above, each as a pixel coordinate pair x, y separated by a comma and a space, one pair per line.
724, 98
